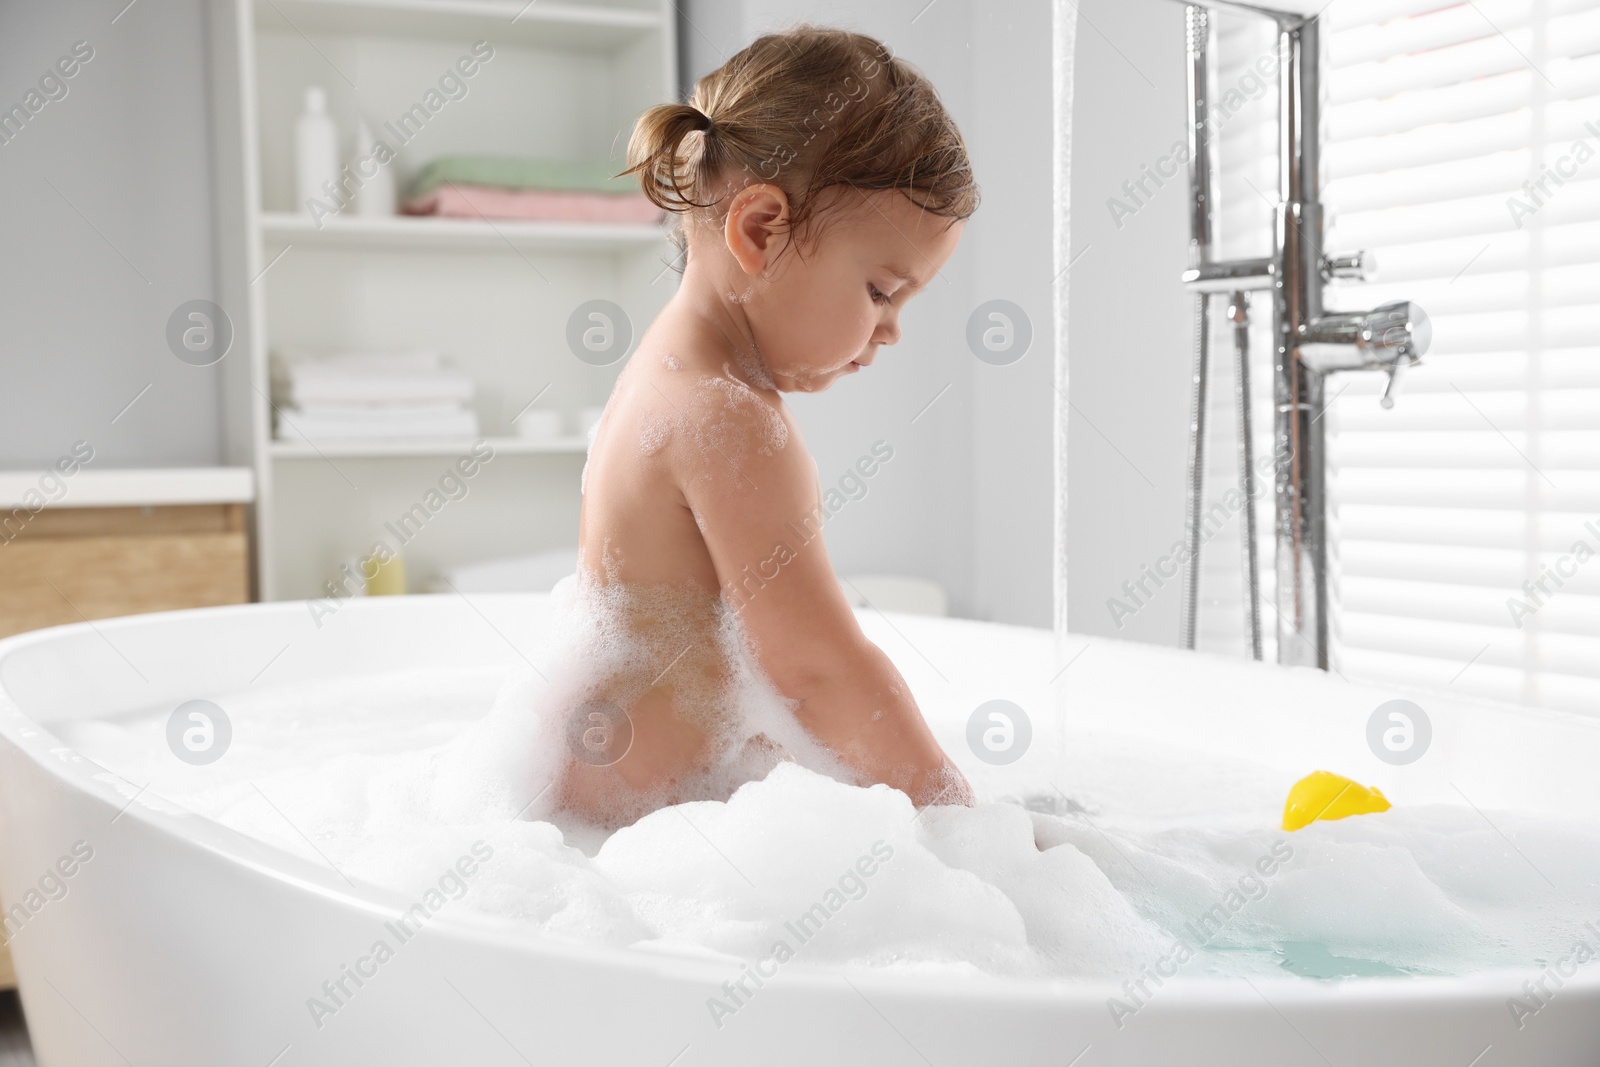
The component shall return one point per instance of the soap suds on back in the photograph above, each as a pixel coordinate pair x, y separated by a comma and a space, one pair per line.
668, 648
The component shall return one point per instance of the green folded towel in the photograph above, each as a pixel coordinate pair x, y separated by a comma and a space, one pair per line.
514, 172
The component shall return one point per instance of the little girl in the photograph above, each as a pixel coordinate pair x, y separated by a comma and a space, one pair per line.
820, 185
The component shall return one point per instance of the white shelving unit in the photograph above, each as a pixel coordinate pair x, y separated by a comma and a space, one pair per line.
282, 229
565, 81
515, 446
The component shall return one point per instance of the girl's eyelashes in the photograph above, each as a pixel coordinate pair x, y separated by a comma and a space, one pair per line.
878, 296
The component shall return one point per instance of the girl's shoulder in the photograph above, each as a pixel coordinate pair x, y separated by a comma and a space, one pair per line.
710, 406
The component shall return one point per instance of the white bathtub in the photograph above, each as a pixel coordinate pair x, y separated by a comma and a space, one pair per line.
183, 943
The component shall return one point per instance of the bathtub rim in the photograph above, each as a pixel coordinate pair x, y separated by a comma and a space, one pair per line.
89, 780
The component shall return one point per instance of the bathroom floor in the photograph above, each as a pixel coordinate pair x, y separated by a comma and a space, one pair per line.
15, 1051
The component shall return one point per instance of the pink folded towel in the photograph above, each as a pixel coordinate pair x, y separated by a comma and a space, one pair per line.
542, 205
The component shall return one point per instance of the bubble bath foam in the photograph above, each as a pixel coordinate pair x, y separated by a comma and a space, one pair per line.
1161, 865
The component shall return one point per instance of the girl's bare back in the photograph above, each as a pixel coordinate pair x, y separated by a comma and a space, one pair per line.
644, 563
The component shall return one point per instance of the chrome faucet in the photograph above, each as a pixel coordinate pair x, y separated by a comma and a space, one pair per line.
1389, 338
1310, 342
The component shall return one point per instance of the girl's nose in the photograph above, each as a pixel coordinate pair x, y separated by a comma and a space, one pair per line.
888, 330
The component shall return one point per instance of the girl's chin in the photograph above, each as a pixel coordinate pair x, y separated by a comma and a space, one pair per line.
814, 381
808, 385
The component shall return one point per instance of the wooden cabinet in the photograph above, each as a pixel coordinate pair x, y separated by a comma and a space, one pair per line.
74, 564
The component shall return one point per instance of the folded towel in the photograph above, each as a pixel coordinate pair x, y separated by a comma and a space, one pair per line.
420, 359
515, 172
367, 378
330, 385
475, 201
377, 414
295, 424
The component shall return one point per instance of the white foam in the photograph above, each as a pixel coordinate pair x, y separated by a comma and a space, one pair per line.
730, 403
394, 777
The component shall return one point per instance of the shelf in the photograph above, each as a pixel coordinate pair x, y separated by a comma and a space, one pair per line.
507, 22
407, 231
442, 447
142, 487
567, 81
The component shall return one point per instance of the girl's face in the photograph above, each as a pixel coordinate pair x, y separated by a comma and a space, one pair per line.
822, 316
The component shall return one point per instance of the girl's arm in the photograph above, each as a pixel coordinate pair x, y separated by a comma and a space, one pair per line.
760, 514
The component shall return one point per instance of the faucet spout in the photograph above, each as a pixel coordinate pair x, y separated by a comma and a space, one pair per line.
1390, 338
1397, 333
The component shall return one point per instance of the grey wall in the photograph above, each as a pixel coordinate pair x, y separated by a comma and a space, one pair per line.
1012, 136
1128, 320
107, 209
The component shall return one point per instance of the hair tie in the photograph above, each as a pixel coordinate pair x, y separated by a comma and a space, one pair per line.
704, 122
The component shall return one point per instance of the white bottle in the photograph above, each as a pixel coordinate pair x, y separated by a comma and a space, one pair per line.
374, 179
316, 153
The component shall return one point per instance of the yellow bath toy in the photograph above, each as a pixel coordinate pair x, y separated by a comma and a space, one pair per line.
1325, 795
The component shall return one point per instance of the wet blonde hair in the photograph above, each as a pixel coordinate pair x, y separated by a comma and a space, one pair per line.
807, 109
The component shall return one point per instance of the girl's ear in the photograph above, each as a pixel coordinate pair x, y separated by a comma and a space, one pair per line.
757, 227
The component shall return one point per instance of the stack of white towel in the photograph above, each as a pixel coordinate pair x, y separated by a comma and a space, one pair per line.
372, 396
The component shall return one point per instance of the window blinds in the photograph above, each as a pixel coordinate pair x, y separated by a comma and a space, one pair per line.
1462, 147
